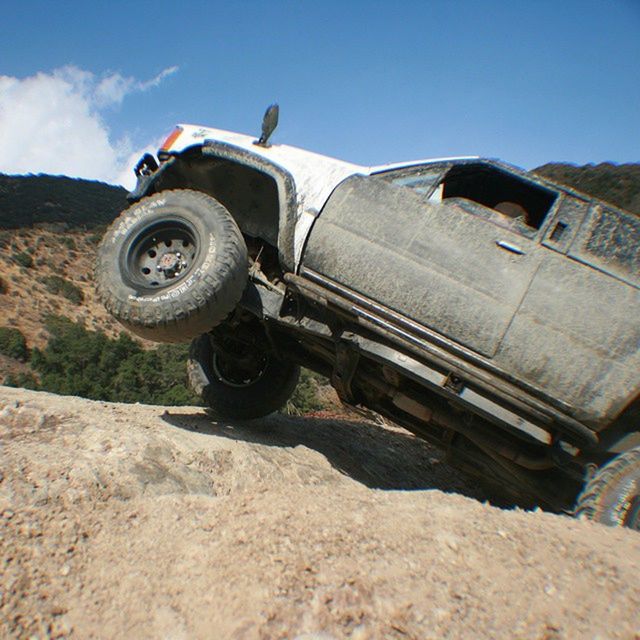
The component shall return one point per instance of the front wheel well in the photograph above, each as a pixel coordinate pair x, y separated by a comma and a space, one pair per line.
251, 196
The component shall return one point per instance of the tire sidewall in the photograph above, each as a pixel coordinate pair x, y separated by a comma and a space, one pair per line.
202, 297
612, 493
156, 209
615, 500
265, 395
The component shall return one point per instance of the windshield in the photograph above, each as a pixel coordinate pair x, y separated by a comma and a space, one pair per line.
421, 179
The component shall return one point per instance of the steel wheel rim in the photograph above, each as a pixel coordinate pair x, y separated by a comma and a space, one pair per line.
161, 255
238, 377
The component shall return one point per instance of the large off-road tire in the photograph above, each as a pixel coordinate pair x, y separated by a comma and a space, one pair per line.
612, 496
172, 266
252, 386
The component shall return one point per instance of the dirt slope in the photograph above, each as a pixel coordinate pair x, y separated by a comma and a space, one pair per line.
122, 521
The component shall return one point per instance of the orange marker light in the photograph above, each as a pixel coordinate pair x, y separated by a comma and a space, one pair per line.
173, 136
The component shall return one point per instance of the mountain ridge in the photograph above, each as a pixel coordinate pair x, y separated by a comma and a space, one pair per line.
29, 200
40, 199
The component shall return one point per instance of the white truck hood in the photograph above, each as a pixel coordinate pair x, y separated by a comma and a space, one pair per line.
315, 176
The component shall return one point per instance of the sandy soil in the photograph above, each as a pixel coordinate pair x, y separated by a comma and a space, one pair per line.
131, 521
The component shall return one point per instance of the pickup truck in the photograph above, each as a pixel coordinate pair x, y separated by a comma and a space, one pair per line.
482, 307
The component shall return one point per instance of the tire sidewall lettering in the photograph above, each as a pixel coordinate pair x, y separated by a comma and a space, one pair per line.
133, 217
192, 302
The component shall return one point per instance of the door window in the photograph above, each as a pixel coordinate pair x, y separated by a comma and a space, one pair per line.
503, 198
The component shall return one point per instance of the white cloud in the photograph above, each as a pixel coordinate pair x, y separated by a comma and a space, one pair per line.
52, 123
114, 87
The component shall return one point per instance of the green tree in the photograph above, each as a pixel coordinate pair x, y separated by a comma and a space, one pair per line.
60, 286
13, 343
305, 398
89, 364
70, 363
23, 259
25, 380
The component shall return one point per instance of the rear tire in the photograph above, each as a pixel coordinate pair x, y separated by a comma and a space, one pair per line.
172, 266
612, 496
253, 386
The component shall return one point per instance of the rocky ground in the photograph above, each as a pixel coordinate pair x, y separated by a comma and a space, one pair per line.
132, 521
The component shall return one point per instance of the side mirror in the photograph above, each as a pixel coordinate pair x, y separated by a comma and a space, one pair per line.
269, 124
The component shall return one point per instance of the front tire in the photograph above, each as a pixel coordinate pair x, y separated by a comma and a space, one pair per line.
251, 385
172, 266
612, 496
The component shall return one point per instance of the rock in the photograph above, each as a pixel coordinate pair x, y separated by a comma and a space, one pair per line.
304, 528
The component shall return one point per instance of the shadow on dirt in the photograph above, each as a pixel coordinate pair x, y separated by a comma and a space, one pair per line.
375, 456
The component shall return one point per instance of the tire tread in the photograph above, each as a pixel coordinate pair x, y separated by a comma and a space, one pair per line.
198, 310
590, 502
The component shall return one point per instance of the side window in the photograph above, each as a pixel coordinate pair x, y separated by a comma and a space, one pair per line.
610, 240
482, 189
503, 198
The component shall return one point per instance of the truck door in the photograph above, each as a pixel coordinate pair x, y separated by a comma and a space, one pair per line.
442, 245
576, 335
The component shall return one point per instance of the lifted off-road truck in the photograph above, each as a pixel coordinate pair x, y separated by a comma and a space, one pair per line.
482, 307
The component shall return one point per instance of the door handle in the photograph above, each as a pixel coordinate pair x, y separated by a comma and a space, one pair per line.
507, 246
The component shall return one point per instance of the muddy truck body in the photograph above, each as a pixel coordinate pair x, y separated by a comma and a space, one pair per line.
480, 306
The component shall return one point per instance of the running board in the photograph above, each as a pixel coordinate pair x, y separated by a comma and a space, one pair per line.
418, 341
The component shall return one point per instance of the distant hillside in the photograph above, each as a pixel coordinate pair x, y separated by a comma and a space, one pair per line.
618, 184
31, 200
81, 204
43, 273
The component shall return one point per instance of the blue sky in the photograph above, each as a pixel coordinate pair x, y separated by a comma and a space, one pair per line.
370, 82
